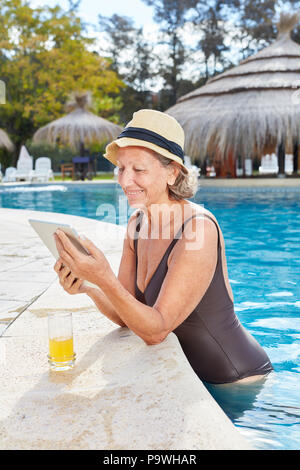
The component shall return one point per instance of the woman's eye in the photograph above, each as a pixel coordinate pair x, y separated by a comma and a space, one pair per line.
121, 170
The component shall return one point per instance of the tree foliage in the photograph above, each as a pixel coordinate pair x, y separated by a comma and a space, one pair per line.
210, 22
44, 56
257, 23
251, 25
132, 59
172, 15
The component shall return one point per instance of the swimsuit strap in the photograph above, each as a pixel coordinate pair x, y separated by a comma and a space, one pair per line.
177, 236
139, 219
180, 231
136, 235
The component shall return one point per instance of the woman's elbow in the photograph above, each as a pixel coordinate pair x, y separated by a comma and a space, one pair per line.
155, 339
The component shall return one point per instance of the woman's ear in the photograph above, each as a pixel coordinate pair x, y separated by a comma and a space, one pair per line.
173, 173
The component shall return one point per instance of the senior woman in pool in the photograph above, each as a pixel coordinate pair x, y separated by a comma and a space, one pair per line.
173, 272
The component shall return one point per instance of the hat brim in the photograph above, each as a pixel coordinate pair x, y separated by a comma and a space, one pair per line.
112, 149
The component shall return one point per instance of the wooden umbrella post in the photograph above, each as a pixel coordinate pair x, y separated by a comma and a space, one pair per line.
281, 160
81, 149
296, 158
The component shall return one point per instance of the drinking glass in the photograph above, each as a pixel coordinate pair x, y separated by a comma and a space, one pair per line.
61, 349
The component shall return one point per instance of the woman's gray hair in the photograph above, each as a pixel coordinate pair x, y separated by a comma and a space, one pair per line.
186, 184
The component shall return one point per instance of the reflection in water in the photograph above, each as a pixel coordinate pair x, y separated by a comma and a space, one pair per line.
266, 412
236, 398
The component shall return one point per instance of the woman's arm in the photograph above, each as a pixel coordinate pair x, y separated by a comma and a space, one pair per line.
105, 306
73, 285
189, 275
126, 276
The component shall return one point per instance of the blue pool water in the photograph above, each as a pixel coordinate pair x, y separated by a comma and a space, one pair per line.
261, 228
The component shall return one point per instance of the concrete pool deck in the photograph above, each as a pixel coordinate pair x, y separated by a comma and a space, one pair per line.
250, 182
121, 394
246, 182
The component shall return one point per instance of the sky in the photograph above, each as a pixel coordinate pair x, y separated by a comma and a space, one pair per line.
90, 9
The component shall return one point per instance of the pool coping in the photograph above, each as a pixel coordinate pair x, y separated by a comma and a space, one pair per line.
203, 182
117, 376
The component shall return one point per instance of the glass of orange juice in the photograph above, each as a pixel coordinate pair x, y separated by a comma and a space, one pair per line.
61, 349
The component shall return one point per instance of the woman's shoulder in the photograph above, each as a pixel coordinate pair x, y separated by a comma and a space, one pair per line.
199, 235
199, 211
200, 223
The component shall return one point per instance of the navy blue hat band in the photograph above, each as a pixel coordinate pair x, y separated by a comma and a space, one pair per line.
150, 136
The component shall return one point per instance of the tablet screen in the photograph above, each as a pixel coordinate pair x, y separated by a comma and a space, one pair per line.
46, 230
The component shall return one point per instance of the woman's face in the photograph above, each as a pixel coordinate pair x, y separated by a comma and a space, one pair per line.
142, 177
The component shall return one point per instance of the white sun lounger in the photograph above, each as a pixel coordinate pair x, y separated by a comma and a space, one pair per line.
10, 175
43, 171
269, 165
24, 166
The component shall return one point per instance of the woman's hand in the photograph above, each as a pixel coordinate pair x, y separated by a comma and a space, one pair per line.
68, 281
90, 267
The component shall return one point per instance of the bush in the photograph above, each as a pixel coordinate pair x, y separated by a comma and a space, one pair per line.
62, 154
58, 155
6, 159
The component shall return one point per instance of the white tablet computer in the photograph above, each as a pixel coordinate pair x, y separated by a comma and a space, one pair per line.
46, 230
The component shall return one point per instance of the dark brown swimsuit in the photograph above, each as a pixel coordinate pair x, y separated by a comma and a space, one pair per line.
218, 347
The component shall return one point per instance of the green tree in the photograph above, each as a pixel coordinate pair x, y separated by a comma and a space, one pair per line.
121, 37
256, 26
132, 58
172, 15
209, 19
257, 23
292, 6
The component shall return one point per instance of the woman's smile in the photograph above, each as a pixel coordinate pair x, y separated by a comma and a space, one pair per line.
133, 192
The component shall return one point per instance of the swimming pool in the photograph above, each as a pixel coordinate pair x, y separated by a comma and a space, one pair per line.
261, 228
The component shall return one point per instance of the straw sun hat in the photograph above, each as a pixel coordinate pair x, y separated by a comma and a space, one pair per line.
154, 130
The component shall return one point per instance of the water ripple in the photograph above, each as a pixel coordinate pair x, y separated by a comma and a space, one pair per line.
278, 323
33, 189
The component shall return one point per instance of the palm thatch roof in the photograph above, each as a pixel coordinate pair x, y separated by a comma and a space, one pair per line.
78, 127
248, 110
5, 141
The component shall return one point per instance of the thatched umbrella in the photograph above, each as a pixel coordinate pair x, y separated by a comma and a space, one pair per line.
79, 127
5, 141
250, 110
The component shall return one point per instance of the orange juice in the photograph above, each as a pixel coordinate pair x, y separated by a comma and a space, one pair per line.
61, 349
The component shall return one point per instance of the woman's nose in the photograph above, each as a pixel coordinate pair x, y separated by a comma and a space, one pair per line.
125, 177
